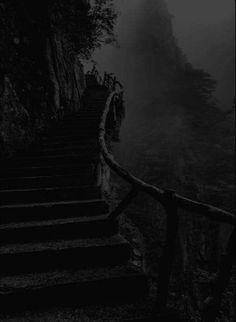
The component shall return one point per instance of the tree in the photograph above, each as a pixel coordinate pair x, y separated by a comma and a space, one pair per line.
88, 26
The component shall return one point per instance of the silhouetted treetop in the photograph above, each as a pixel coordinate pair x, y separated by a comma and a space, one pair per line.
88, 25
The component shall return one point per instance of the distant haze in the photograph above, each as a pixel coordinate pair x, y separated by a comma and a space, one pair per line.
205, 30
192, 12
162, 136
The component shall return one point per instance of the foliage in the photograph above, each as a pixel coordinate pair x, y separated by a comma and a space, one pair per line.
88, 26
26, 29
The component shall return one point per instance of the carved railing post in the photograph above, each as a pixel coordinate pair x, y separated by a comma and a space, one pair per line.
167, 258
213, 304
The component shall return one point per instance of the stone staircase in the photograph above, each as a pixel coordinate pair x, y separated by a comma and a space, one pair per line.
57, 245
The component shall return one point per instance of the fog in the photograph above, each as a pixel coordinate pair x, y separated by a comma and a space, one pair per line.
204, 30
167, 143
201, 12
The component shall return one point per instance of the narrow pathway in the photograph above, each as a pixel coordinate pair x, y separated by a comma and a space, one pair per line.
57, 246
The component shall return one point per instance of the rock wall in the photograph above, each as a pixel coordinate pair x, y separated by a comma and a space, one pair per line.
66, 75
41, 76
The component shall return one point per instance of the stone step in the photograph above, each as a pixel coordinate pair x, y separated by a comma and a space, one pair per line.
88, 117
40, 145
47, 181
75, 124
52, 194
72, 130
57, 244
118, 312
52, 210
76, 149
95, 96
71, 139
63, 254
54, 159
98, 102
95, 106
84, 114
80, 137
63, 169
66, 228
61, 143
165, 317
108, 285
72, 133
98, 91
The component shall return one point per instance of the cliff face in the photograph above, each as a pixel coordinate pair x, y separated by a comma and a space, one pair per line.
41, 74
65, 73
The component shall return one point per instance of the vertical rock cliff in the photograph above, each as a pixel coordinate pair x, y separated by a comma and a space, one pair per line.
41, 74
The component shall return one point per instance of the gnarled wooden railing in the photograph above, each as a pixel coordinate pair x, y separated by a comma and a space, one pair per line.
109, 80
171, 202
111, 83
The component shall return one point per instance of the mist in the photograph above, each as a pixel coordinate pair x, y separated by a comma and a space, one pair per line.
204, 31
187, 147
157, 131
